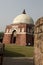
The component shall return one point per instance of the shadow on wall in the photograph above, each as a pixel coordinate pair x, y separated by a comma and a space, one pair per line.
13, 54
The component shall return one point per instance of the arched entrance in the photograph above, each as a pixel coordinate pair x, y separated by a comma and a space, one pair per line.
13, 37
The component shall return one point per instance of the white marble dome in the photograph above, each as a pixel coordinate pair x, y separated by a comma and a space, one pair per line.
23, 18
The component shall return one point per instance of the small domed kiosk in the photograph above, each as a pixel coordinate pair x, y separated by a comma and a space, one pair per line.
21, 31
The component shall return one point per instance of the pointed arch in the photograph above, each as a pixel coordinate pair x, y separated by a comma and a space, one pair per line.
13, 37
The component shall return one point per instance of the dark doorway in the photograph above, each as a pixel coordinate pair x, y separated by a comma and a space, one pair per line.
13, 37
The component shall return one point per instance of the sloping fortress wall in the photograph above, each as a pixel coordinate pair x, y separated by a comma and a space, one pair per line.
38, 42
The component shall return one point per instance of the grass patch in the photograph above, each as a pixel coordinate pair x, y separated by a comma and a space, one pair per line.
12, 50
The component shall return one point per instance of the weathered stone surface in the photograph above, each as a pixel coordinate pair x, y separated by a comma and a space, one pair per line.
38, 42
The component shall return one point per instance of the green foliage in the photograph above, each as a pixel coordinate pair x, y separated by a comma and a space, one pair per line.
1, 35
18, 51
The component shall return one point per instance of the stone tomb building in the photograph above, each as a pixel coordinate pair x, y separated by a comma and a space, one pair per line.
38, 42
21, 32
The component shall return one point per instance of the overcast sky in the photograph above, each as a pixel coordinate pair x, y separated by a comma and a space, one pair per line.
9, 9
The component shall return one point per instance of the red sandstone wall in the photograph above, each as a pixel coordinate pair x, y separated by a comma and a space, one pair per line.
7, 38
21, 39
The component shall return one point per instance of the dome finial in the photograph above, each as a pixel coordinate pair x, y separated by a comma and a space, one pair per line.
24, 11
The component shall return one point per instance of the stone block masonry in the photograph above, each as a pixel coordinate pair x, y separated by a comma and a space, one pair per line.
38, 42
